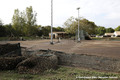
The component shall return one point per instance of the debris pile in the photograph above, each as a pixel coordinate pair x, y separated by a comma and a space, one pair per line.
10, 63
32, 62
10, 50
35, 65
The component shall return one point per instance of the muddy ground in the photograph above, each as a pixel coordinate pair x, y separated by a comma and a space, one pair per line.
90, 47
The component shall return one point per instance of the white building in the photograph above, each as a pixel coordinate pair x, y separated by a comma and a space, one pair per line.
59, 34
117, 33
109, 34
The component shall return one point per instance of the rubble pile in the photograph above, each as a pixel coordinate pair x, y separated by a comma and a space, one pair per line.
10, 50
35, 65
32, 62
10, 63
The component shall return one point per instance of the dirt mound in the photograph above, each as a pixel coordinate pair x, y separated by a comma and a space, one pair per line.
10, 50
37, 64
10, 63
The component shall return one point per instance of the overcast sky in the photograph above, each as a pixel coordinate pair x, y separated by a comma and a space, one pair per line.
103, 12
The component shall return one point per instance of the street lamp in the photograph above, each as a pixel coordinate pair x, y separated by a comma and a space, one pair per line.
78, 25
51, 22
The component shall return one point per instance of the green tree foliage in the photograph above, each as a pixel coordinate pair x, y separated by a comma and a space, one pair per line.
9, 30
24, 23
71, 25
6, 30
101, 30
45, 30
31, 21
17, 23
39, 30
109, 30
88, 26
117, 29
58, 29
2, 29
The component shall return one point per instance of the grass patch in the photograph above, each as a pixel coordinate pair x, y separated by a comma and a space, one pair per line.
31, 38
15, 38
115, 39
63, 73
4, 38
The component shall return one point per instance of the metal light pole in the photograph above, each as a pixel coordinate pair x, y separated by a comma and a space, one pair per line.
51, 22
78, 25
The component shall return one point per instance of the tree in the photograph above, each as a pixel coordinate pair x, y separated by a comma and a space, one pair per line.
59, 29
101, 30
16, 23
2, 30
71, 25
30, 20
117, 29
109, 30
39, 30
46, 30
88, 26
9, 30
24, 23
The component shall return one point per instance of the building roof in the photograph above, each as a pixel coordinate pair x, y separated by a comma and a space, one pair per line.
60, 32
109, 34
117, 32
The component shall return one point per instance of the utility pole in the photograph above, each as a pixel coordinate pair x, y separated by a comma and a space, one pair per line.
51, 22
78, 25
